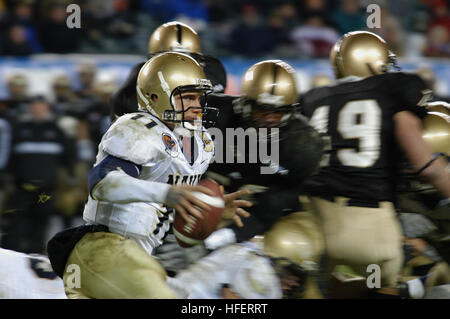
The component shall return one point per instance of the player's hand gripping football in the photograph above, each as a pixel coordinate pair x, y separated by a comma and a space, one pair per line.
233, 206
180, 198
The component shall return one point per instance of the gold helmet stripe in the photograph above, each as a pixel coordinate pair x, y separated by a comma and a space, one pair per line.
275, 71
164, 84
142, 96
146, 101
179, 33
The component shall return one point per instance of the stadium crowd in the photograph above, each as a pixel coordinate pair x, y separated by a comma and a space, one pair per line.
304, 28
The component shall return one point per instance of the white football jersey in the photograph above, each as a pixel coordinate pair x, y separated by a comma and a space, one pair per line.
25, 276
243, 267
144, 140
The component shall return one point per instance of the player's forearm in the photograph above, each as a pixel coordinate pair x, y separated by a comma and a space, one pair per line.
408, 130
437, 175
118, 187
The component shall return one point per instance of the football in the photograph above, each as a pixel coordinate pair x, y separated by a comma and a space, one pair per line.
194, 232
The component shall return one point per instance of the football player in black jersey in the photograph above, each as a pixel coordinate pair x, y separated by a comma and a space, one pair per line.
369, 117
172, 36
416, 197
268, 108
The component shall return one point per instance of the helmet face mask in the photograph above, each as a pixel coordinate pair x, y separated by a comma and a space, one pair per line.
295, 245
166, 78
258, 115
177, 114
292, 277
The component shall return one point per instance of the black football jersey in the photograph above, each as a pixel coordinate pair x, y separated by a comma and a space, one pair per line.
356, 118
274, 193
299, 149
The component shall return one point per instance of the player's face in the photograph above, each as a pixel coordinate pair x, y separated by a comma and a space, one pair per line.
191, 104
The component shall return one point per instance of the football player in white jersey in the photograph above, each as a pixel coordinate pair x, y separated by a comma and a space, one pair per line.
281, 264
145, 170
25, 276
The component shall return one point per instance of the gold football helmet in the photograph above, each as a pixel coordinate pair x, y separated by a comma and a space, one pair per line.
362, 54
270, 82
164, 76
174, 36
296, 237
436, 132
295, 245
268, 87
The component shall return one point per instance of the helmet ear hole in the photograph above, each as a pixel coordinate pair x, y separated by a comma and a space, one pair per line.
154, 97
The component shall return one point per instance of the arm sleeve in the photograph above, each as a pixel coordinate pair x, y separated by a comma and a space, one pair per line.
115, 180
268, 207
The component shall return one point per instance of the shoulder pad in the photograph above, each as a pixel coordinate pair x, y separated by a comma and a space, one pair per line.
411, 92
315, 94
134, 137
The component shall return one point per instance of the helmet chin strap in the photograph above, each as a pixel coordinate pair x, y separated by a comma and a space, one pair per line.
187, 129
181, 130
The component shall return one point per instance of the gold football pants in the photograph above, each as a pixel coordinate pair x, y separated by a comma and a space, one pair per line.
112, 266
359, 236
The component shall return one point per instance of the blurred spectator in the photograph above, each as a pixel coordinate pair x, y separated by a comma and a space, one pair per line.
98, 114
438, 33
69, 108
350, 16
22, 15
427, 74
54, 34
2, 8
281, 21
169, 10
122, 23
315, 38
39, 150
17, 85
315, 7
438, 42
95, 20
71, 111
102, 8
86, 75
16, 42
391, 31
251, 36
66, 101
220, 10
415, 16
